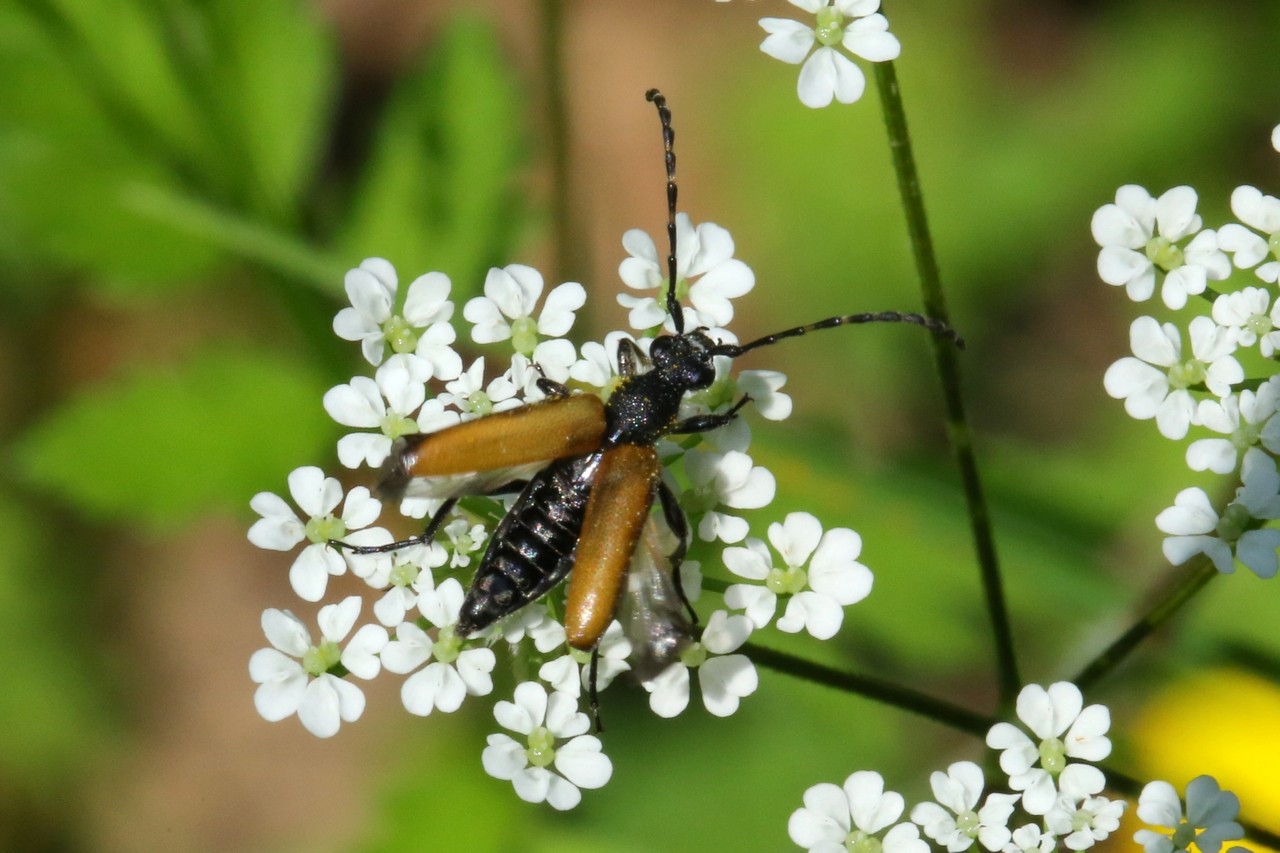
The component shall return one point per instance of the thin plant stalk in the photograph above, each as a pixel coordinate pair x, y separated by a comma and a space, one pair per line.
949, 372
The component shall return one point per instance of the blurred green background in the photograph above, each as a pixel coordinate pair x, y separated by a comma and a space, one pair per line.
183, 184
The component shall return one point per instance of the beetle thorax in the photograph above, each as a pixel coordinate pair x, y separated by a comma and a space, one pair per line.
645, 407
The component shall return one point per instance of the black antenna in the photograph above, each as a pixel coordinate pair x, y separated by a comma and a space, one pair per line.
938, 327
668, 143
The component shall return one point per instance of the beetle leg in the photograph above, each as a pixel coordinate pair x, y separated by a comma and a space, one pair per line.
630, 357
550, 387
705, 423
592, 692
679, 524
433, 527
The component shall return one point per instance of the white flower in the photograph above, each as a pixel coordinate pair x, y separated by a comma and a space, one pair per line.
454, 672
1247, 420
423, 329
1156, 383
474, 399
835, 819
725, 678
385, 403
1251, 316
1195, 527
1140, 239
729, 479
835, 578
545, 721
293, 677
1210, 818
317, 496
506, 309
465, 539
705, 266
409, 576
955, 820
1065, 729
1258, 211
1080, 825
828, 73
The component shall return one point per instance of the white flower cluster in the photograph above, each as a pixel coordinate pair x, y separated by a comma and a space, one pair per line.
1051, 797
421, 383
1149, 243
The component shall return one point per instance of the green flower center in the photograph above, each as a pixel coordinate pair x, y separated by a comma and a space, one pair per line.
860, 842
787, 580
1259, 324
399, 334
694, 656
1053, 755
1164, 253
395, 425
447, 646
697, 502
404, 574
465, 543
1234, 522
1273, 243
541, 750
1184, 836
524, 335
968, 823
1246, 435
478, 403
323, 529
318, 660
830, 30
1188, 373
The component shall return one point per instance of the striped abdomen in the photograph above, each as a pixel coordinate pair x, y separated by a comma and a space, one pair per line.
532, 549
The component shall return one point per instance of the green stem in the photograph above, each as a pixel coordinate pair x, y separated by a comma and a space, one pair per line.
552, 57
882, 691
1199, 572
948, 367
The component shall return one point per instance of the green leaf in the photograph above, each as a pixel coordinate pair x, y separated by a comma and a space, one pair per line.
439, 192
271, 82
107, 104
162, 445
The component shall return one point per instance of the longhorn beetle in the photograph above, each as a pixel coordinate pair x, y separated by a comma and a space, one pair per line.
587, 473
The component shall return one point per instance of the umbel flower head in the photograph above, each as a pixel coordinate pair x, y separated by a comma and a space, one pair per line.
422, 384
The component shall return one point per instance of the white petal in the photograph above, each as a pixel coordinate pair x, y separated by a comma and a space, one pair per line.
557, 313
817, 614
724, 681
503, 758
582, 762
870, 38
435, 686
360, 656
316, 494
788, 40
427, 300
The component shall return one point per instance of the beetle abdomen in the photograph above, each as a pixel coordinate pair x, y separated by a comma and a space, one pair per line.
532, 549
